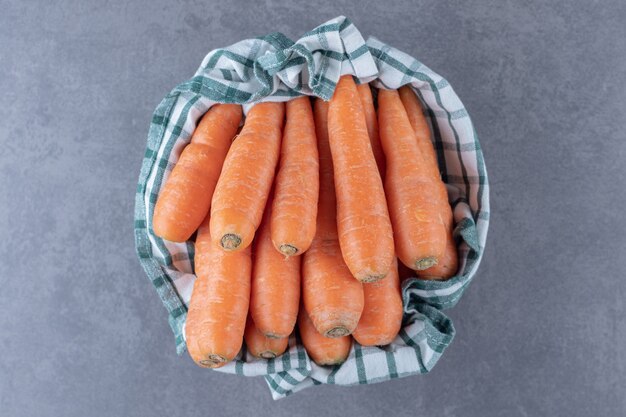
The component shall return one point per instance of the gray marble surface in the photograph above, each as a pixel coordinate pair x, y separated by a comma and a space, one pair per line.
542, 329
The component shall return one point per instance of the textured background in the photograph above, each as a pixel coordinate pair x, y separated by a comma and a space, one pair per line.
542, 329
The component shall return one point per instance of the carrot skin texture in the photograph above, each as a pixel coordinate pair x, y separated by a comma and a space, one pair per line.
186, 196
367, 101
448, 266
332, 298
262, 346
417, 216
421, 129
382, 314
246, 179
323, 350
219, 302
297, 181
365, 232
275, 295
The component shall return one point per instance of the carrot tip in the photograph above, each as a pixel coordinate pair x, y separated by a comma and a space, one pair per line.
213, 361
288, 250
425, 263
267, 355
230, 241
338, 331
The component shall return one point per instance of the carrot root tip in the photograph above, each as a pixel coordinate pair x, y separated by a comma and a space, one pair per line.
267, 355
230, 241
338, 331
425, 263
213, 361
288, 250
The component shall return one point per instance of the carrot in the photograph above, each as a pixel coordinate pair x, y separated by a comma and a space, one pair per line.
185, 199
367, 101
262, 346
244, 184
381, 319
297, 183
382, 314
219, 302
448, 266
332, 298
365, 232
275, 294
416, 212
323, 350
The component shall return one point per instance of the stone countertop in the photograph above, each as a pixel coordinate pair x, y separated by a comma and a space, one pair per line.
542, 329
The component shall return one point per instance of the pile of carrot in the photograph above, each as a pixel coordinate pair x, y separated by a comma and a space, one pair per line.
307, 219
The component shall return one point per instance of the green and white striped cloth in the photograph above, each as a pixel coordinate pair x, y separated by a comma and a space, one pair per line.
274, 67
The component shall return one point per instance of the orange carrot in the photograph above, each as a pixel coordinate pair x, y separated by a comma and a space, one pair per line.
381, 319
448, 266
382, 314
275, 295
219, 302
297, 181
367, 101
331, 296
244, 184
323, 350
365, 232
416, 213
185, 199
262, 346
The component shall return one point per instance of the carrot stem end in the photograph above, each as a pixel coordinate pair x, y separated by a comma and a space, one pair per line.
288, 250
425, 263
230, 241
338, 331
213, 361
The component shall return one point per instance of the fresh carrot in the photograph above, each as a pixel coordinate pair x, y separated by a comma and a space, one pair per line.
381, 319
219, 302
416, 213
275, 294
323, 350
365, 232
382, 314
448, 265
367, 101
262, 346
185, 199
331, 296
247, 175
297, 182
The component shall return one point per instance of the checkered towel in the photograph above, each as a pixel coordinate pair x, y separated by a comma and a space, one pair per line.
273, 67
